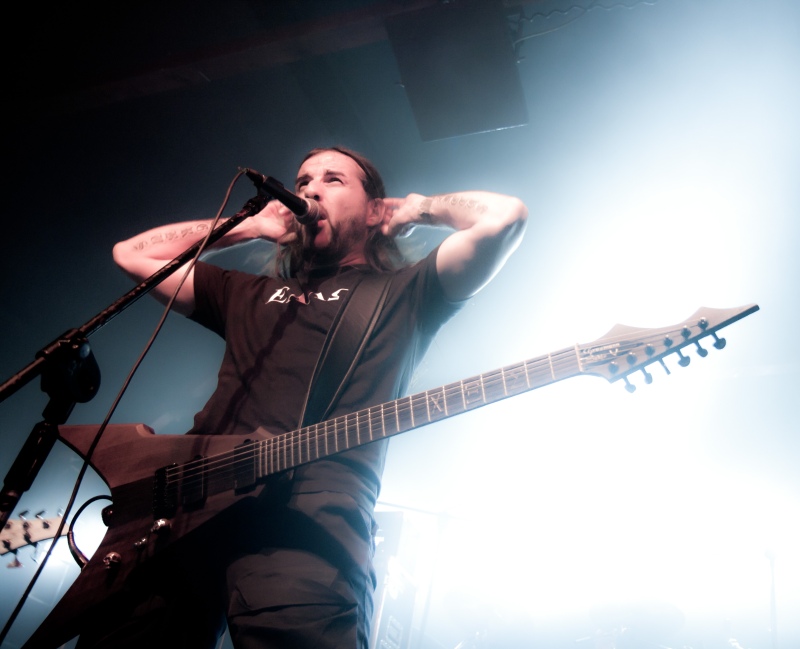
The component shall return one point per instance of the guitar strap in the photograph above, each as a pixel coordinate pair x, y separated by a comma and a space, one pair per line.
344, 345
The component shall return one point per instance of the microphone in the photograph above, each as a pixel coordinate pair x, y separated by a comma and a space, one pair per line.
305, 210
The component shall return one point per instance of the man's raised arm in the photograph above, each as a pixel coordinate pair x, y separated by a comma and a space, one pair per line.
488, 228
144, 254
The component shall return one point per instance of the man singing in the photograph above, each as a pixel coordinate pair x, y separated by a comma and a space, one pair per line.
296, 571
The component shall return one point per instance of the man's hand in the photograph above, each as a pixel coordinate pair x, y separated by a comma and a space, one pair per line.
274, 223
402, 214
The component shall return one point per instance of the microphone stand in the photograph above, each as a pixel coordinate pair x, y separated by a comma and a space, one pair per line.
70, 373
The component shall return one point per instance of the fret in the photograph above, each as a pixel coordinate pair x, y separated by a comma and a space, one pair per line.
335, 438
298, 445
492, 388
383, 422
483, 388
420, 409
405, 415
472, 393
516, 379
258, 458
358, 432
567, 364
552, 369
369, 421
578, 358
352, 429
390, 421
436, 403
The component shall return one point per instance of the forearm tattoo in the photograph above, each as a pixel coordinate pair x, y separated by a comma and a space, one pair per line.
166, 236
457, 200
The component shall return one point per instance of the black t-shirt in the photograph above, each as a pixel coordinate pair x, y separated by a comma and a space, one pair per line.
274, 331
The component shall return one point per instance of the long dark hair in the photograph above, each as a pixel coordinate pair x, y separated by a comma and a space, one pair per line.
381, 251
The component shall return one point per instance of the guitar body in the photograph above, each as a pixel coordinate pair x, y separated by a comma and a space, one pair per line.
127, 458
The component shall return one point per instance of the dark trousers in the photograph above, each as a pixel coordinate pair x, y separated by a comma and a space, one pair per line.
298, 578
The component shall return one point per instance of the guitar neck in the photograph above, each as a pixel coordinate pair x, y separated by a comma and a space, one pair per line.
407, 413
251, 462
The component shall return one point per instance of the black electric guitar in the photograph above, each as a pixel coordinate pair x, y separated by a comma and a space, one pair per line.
165, 487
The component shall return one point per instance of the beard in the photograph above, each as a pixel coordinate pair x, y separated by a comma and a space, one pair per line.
344, 239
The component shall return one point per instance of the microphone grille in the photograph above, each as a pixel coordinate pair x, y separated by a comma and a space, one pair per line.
312, 213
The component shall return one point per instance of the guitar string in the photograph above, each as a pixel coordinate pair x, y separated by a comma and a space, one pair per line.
339, 429
301, 441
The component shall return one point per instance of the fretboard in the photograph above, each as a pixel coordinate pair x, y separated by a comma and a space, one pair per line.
253, 461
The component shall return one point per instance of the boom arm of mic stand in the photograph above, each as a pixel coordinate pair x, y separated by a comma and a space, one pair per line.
63, 398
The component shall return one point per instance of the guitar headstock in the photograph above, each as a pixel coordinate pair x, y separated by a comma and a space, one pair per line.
625, 350
23, 531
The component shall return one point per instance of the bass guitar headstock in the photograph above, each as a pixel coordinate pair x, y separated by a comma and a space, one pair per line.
23, 531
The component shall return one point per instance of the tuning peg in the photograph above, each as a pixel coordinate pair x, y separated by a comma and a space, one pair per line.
40, 514
701, 352
630, 387
683, 360
719, 343
648, 378
664, 365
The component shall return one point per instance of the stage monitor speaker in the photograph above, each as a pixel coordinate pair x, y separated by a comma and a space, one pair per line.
459, 69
